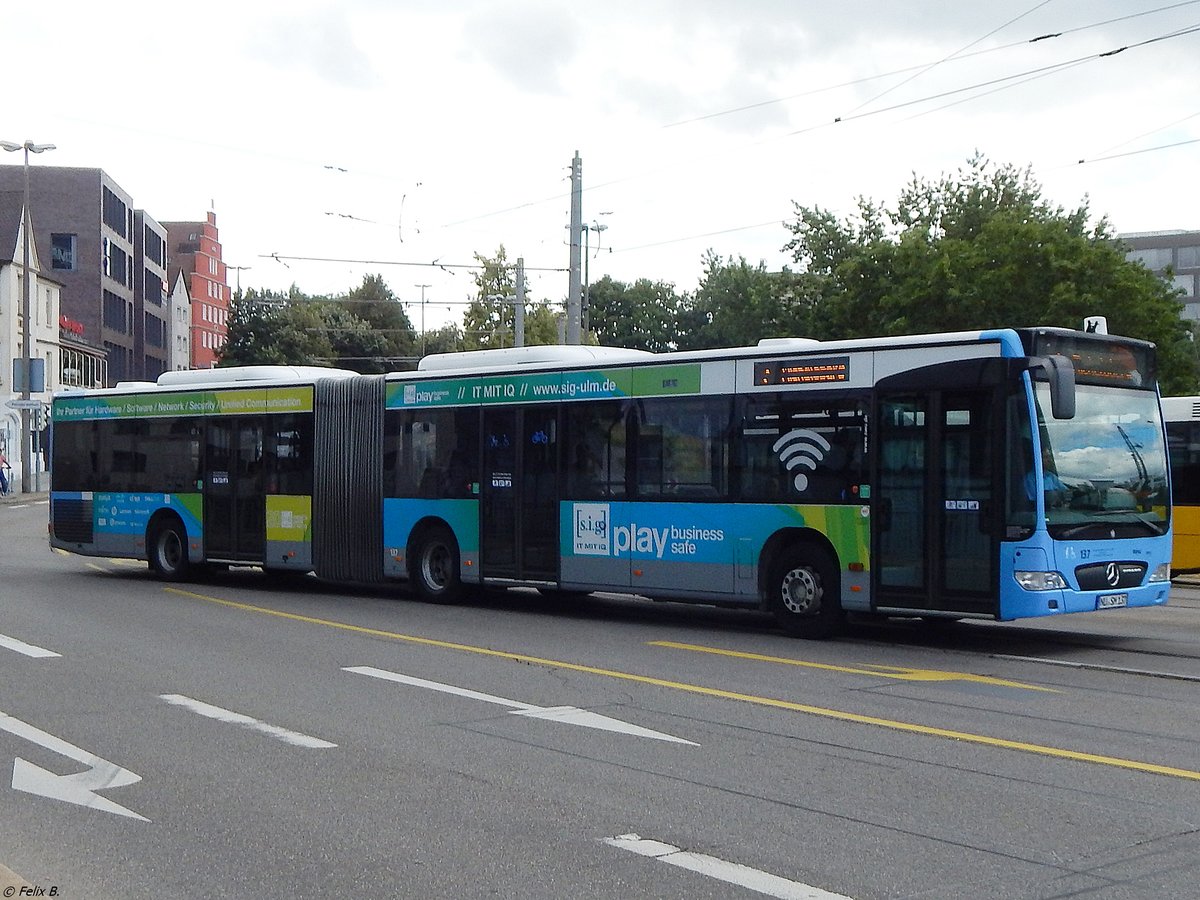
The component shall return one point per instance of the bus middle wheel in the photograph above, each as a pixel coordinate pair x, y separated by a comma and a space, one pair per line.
435, 566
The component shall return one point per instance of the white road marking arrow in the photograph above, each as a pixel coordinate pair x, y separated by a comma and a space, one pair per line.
569, 715
79, 788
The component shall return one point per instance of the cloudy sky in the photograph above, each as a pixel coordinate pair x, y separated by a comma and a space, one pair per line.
419, 131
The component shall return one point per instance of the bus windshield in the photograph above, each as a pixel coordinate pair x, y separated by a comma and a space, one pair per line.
1106, 468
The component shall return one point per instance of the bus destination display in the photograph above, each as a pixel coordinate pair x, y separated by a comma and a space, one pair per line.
803, 371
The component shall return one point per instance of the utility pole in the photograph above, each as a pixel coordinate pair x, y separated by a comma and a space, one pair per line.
422, 287
574, 301
519, 313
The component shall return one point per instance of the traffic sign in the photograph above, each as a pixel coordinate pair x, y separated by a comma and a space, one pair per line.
22, 403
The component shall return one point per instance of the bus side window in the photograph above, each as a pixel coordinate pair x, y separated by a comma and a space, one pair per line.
594, 455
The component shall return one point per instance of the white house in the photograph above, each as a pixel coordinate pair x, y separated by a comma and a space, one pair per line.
44, 300
179, 325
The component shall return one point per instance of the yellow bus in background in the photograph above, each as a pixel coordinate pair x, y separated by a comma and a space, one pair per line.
1182, 415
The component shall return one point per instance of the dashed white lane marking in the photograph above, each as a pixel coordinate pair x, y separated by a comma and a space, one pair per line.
294, 738
729, 872
568, 715
10, 643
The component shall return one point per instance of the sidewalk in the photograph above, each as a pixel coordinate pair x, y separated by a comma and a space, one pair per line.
17, 497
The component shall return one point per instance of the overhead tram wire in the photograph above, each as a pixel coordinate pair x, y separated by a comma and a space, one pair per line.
1004, 87
1013, 79
1051, 69
1144, 134
955, 58
280, 257
998, 84
391, 176
952, 56
1084, 162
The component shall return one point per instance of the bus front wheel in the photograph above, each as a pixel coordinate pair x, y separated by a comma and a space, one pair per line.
168, 550
435, 566
803, 593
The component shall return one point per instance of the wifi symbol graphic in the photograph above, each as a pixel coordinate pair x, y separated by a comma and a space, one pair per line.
801, 449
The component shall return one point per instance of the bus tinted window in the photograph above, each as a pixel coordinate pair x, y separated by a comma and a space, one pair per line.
683, 448
75, 456
595, 442
290, 455
170, 451
775, 431
1183, 443
435, 452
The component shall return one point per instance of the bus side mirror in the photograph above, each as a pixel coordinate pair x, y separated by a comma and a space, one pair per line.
1061, 376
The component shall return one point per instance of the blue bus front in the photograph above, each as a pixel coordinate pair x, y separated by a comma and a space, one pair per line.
1091, 516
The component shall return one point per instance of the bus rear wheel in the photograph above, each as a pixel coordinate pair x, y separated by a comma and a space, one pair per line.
167, 550
803, 593
435, 566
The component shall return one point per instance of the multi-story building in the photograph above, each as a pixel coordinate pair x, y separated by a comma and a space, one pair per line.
195, 250
1174, 255
151, 309
96, 243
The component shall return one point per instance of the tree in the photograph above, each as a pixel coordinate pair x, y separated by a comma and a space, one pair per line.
982, 249
489, 320
374, 303
266, 328
737, 305
353, 342
640, 316
447, 339
541, 323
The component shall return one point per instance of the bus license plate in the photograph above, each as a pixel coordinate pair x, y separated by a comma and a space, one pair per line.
1111, 601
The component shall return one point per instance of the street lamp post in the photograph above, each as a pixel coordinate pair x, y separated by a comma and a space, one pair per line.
26, 313
238, 270
587, 283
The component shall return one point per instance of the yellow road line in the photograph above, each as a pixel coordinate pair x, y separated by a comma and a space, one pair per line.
877, 671
838, 715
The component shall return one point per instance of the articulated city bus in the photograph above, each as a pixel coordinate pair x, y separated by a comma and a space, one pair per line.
999, 474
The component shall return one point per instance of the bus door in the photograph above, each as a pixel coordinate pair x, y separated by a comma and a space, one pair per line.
519, 509
938, 505
234, 517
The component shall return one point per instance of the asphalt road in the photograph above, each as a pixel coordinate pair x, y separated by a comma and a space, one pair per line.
242, 739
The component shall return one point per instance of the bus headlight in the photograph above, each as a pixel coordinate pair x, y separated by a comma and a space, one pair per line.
1041, 581
1161, 572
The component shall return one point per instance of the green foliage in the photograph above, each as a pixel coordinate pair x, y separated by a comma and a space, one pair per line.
447, 339
353, 342
267, 328
366, 331
374, 303
640, 316
490, 319
541, 324
738, 304
982, 249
